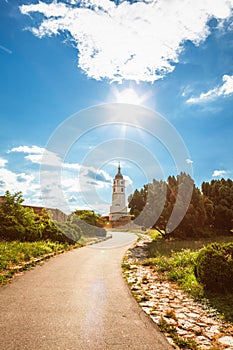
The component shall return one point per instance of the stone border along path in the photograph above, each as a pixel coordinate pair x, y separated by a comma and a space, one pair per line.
164, 300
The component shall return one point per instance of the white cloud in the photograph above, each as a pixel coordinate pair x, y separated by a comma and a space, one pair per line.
89, 177
27, 149
80, 185
71, 166
38, 155
77, 189
14, 182
47, 158
138, 41
189, 161
218, 173
3, 162
222, 90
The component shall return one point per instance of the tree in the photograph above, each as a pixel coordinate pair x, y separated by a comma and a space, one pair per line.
164, 204
90, 223
220, 193
16, 221
21, 223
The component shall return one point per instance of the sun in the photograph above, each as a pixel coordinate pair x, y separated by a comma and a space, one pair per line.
129, 96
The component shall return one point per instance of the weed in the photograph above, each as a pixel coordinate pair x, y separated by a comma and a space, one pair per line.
181, 342
125, 266
171, 314
144, 298
145, 279
15, 255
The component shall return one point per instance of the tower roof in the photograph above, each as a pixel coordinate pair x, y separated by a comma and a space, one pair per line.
119, 175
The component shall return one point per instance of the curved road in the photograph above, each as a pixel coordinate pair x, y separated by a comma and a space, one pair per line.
77, 300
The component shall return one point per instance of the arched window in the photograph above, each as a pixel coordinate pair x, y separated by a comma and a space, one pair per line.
122, 189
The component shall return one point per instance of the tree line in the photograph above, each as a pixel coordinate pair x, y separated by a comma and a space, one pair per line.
21, 223
209, 212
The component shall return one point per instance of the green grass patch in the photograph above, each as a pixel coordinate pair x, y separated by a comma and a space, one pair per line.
179, 268
222, 303
16, 254
167, 247
154, 234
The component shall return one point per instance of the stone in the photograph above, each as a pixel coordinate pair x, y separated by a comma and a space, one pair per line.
185, 324
213, 330
181, 331
193, 315
146, 310
227, 340
197, 330
181, 315
156, 319
171, 321
161, 299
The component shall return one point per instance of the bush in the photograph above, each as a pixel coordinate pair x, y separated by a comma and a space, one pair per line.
214, 267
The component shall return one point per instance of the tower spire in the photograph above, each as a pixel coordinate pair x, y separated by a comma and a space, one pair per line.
118, 209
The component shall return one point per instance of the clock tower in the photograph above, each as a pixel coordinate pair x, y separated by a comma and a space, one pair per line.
118, 208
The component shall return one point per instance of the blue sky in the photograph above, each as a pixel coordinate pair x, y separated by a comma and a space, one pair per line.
58, 59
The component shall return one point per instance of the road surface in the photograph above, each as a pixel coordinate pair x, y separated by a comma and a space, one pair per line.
77, 300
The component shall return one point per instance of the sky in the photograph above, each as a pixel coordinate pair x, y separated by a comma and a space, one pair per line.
87, 84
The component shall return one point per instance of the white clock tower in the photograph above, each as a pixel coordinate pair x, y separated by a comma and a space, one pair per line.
118, 208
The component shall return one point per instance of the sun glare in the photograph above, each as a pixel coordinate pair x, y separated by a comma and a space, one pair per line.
130, 96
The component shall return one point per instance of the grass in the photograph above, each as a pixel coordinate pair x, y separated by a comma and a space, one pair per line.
161, 246
154, 234
178, 267
15, 256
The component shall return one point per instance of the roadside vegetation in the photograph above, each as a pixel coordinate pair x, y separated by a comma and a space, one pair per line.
18, 256
21, 223
210, 212
27, 238
204, 270
198, 254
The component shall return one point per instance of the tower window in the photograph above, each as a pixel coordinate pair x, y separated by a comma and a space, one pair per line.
122, 189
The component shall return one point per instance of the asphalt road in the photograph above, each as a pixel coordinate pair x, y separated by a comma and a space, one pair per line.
77, 300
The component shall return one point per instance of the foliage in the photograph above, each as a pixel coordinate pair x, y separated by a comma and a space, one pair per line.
168, 246
90, 223
21, 223
155, 234
16, 221
209, 211
220, 192
90, 217
172, 332
214, 267
16, 253
179, 268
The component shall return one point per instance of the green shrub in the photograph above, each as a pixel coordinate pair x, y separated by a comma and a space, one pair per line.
214, 267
